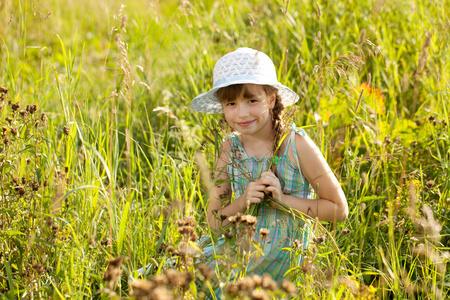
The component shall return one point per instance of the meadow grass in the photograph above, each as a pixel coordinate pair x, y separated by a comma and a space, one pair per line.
113, 163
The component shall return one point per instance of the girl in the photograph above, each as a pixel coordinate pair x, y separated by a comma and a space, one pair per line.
247, 92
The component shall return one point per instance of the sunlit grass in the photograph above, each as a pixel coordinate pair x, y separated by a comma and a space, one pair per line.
116, 162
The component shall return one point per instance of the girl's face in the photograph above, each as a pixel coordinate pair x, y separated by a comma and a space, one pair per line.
249, 113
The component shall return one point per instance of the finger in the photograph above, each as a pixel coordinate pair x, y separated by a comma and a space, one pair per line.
270, 189
258, 187
266, 181
269, 181
258, 195
268, 172
253, 200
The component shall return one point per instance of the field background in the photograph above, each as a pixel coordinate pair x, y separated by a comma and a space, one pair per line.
111, 165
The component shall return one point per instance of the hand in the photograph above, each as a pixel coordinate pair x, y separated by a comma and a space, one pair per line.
254, 193
272, 185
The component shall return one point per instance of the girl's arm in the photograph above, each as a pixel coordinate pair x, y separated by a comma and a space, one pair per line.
253, 193
331, 204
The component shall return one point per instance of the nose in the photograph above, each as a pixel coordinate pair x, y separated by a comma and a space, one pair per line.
243, 110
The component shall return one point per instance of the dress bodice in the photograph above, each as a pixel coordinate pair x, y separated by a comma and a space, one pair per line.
243, 169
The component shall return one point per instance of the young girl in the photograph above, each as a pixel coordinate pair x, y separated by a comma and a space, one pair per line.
247, 92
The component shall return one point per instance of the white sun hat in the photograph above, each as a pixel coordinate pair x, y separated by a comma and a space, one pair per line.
242, 66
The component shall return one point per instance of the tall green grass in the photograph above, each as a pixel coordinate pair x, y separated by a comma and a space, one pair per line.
118, 152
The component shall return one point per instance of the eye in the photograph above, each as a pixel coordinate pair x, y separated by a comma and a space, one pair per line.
253, 101
230, 104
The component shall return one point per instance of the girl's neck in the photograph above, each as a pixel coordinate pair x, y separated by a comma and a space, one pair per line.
257, 147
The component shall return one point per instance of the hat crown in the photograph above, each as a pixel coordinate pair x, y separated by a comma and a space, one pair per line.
243, 66
244, 63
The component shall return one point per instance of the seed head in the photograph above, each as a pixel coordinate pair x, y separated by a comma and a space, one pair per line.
296, 244
116, 262
318, 38
245, 284
235, 219
24, 180
319, 239
308, 267
249, 219
23, 113
15, 106
31, 109
206, 272
39, 268
60, 174
268, 283
264, 232
345, 231
232, 289
3, 90
430, 183
36, 123
35, 186
66, 130
108, 242
178, 279
5, 129
387, 139
6, 140
20, 190
49, 222
124, 21
288, 286
227, 235
186, 230
259, 295
141, 288
13, 131
113, 272
55, 228
44, 119
159, 280
257, 279
9, 119
187, 221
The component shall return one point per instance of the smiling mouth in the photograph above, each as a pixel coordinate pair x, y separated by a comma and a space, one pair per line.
245, 124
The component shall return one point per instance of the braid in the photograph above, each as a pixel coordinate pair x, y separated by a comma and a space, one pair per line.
277, 126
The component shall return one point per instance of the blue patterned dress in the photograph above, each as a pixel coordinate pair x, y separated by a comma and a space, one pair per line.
283, 228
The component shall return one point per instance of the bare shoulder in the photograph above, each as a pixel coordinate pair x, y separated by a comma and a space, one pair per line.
225, 150
223, 159
312, 161
304, 143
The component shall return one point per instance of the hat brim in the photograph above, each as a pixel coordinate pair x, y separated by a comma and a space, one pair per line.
209, 103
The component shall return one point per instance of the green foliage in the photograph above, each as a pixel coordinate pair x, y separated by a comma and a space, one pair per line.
114, 165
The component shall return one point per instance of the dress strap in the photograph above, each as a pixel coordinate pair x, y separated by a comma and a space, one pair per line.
237, 150
291, 143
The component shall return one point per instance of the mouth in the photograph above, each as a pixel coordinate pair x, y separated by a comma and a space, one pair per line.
245, 124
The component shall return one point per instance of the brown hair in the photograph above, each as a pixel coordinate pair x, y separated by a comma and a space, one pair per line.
230, 93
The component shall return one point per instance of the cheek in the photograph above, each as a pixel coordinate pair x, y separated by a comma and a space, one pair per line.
262, 111
227, 115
